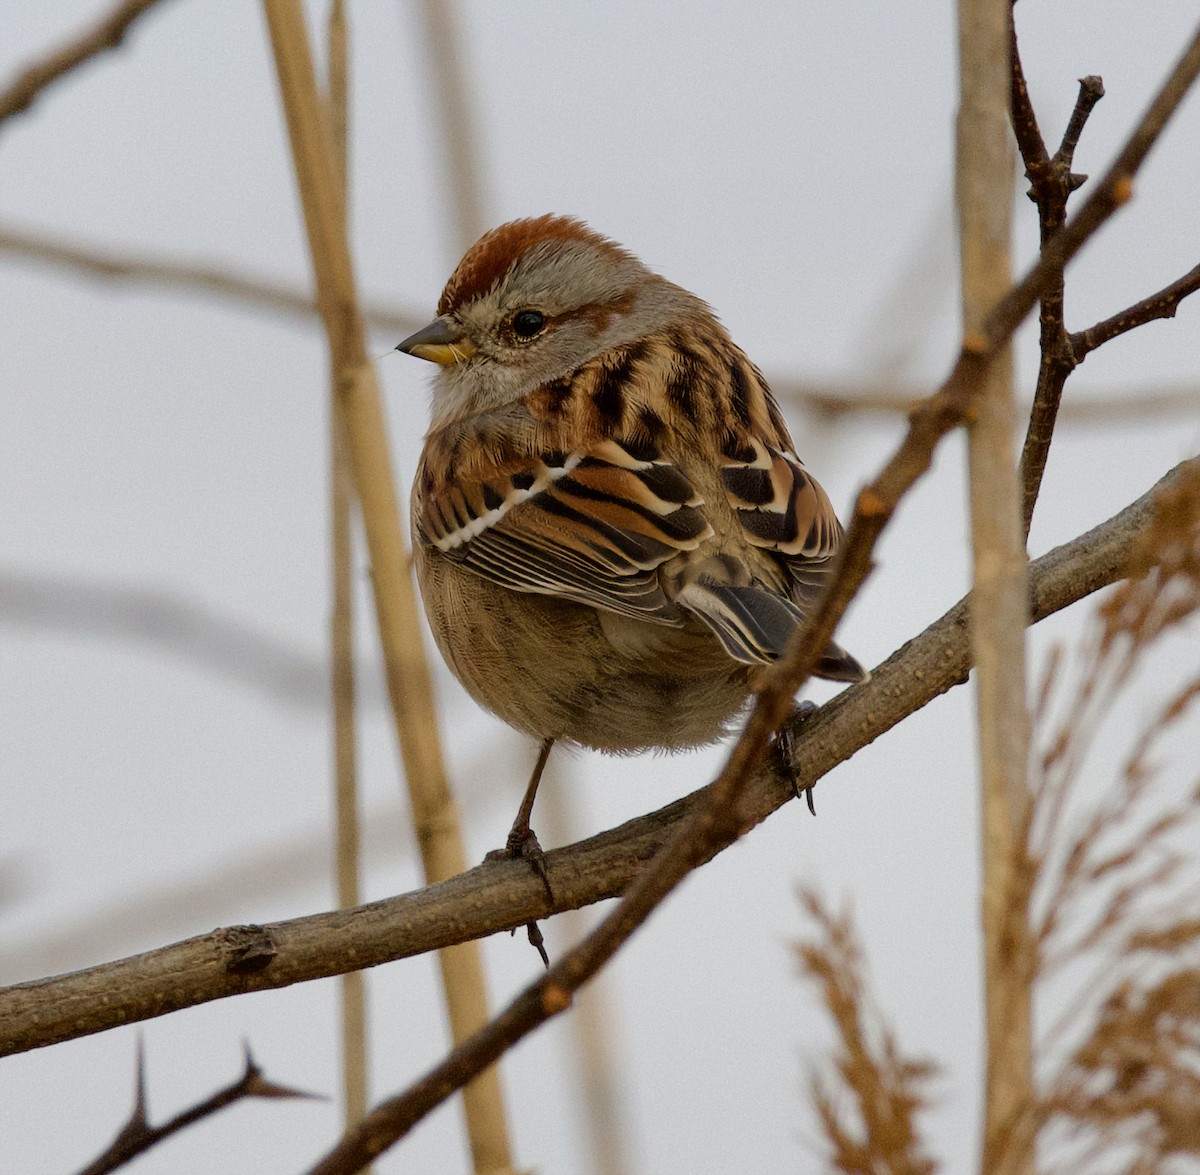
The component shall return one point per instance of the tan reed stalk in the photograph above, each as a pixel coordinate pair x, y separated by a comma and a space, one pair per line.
461, 153
434, 812
345, 751
597, 1046
999, 601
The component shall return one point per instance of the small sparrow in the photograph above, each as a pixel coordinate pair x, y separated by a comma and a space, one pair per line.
611, 529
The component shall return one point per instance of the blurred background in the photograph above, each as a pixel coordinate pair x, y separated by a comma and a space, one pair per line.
165, 744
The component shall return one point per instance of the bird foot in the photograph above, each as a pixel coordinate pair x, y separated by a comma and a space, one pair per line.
784, 747
522, 845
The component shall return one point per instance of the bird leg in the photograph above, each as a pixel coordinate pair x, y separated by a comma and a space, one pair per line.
784, 746
522, 843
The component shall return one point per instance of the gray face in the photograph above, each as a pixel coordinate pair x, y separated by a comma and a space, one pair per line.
589, 300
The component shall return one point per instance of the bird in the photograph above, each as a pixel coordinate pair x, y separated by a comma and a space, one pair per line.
612, 532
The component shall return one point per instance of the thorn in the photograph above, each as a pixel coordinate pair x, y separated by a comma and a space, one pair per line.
1075, 181
534, 931
139, 1114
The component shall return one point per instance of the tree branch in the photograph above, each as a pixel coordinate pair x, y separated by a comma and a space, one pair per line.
500, 896
188, 275
107, 33
1114, 190
1051, 184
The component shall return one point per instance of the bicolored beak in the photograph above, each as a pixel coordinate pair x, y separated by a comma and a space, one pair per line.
442, 341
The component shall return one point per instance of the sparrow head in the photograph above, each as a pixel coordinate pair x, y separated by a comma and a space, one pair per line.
531, 301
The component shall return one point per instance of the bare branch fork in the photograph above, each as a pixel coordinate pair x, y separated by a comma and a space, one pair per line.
137, 1135
1051, 182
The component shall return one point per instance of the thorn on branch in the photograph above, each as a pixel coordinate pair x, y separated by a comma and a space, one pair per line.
137, 1136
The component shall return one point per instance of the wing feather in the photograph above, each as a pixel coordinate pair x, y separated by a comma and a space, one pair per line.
783, 509
592, 526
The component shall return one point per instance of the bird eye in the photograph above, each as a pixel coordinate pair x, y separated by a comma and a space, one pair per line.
528, 323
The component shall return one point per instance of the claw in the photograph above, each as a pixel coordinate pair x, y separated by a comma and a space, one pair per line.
783, 746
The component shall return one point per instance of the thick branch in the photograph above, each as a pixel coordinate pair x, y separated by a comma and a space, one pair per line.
107, 33
501, 896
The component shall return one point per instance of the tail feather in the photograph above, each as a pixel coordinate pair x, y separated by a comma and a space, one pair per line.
754, 625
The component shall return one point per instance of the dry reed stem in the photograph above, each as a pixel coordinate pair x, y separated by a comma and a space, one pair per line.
107, 33
599, 1046
1116, 895
881, 1135
434, 812
347, 839
461, 153
1117, 890
496, 897
985, 189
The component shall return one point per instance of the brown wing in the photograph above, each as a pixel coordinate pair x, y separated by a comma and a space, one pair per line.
591, 526
783, 509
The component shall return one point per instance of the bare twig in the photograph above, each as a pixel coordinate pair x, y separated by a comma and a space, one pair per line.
999, 595
107, 33
500, 896
347, 849
138, 1136
1162, 304
186, 628
188, 276
435, 814
1051, 184
1114, 190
